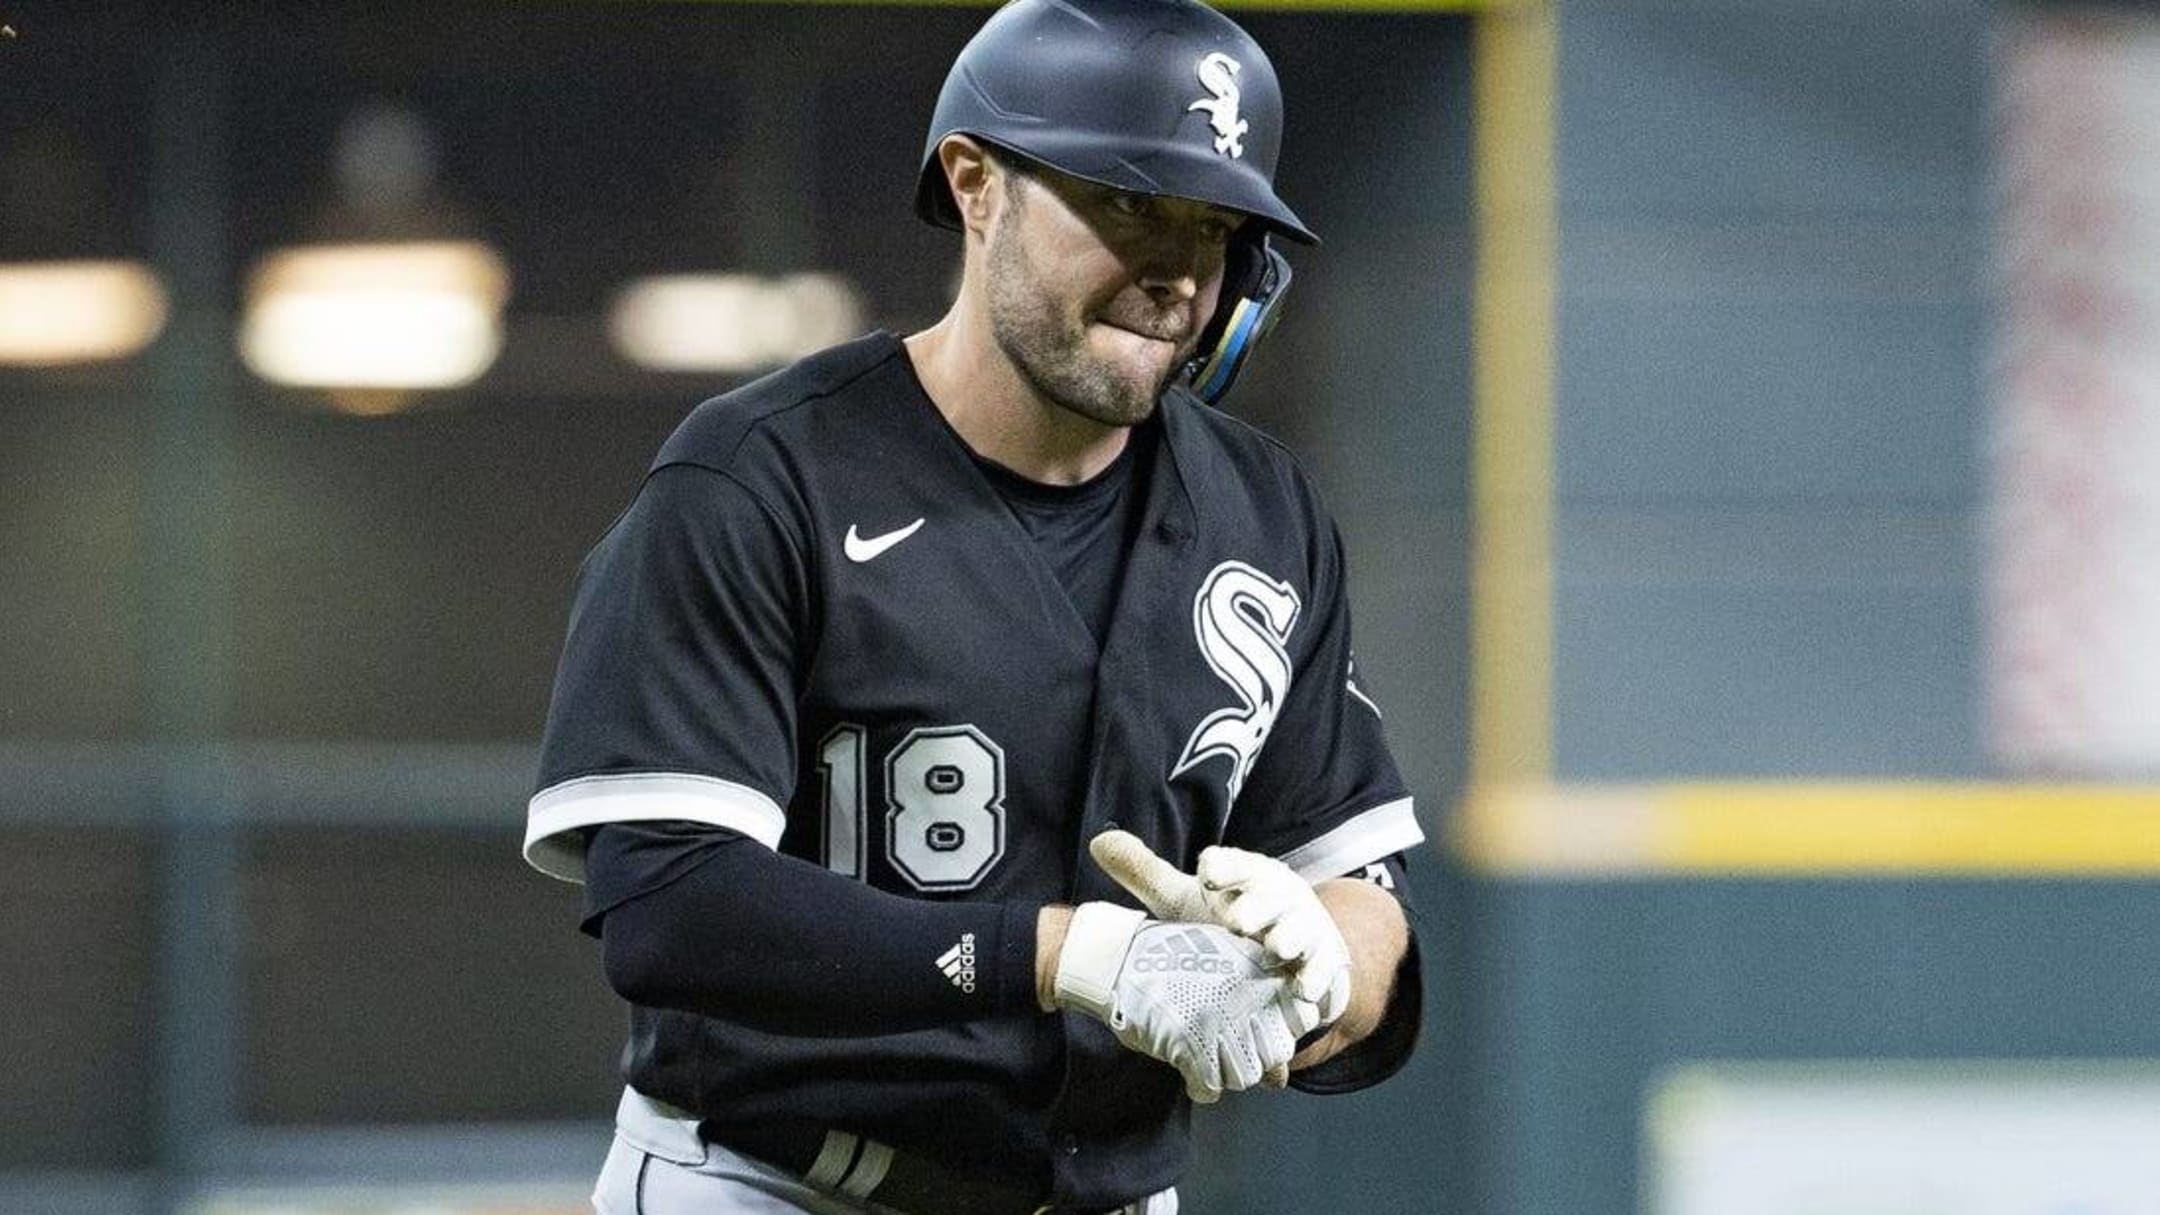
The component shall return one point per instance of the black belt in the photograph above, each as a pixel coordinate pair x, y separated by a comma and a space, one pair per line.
848, 1165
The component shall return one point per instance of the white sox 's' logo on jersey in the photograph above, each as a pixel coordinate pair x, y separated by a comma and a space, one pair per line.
1242, 620
1218, 75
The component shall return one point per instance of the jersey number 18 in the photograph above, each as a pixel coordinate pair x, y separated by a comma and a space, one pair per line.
945, 804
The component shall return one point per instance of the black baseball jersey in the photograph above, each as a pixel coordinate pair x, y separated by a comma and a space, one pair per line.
831, 633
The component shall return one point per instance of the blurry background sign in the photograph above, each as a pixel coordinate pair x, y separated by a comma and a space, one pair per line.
2074, 547
1979, 1138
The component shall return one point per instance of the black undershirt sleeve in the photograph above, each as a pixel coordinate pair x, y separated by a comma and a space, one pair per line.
702, 919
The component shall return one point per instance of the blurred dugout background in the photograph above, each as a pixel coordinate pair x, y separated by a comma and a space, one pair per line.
1742, 416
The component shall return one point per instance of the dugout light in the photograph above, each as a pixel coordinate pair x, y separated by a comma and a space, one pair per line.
400, 316
731, 322
62, 312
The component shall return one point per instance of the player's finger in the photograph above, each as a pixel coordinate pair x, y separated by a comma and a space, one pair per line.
1223, 868
1289, 942
1302, 1016
1158, 884
1315, 981
1251, 910
1203, 1078
1240, 1065
1277, 1049
1277, 1046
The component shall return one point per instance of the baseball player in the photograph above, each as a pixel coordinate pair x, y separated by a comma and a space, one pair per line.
957, 736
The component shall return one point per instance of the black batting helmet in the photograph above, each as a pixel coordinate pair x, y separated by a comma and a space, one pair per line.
1162, 97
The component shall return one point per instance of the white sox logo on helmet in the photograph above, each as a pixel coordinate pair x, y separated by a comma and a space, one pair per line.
1242, 620
1218, 75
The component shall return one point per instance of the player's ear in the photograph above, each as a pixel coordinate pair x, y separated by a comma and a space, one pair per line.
973, 179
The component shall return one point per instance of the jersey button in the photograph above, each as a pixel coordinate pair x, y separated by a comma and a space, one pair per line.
1072, 1145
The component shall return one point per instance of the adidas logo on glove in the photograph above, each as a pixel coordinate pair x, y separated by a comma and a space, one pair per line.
1188, 952
958, 963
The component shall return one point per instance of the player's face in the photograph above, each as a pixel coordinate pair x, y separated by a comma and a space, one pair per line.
1098, 295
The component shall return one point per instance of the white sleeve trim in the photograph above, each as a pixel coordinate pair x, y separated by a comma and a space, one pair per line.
1382, 831
553, 846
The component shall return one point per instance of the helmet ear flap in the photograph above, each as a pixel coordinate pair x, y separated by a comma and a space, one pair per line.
1255, 278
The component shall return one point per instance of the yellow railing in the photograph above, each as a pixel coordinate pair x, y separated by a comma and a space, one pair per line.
1798, 829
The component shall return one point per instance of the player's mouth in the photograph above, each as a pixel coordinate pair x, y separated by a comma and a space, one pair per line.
1142, 333
1168, 335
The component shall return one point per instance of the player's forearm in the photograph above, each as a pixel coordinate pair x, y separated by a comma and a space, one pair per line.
1378, 935
775, 944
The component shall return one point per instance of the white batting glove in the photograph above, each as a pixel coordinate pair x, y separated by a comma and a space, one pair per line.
1255, 896
1196, 996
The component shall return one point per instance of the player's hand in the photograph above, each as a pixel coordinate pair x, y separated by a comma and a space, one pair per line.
1255, 896
1196, 996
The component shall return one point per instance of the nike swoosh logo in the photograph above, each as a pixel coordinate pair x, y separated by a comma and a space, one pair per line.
861, 549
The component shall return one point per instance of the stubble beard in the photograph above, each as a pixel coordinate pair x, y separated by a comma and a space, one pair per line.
1052, 355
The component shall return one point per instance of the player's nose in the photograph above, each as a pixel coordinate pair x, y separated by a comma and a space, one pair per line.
1169, 288
1177, 257
1172, 269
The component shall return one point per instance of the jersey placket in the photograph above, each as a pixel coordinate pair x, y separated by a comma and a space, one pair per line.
1115, 743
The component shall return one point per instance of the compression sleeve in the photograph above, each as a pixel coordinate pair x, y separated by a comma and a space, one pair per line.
703, 919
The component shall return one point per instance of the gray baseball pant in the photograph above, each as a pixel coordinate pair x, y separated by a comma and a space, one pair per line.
660, 1166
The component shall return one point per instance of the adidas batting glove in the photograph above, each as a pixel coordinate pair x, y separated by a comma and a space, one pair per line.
1196, 996
1254, 896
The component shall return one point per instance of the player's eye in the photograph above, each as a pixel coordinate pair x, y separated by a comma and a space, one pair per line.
1132, 206
1217, 231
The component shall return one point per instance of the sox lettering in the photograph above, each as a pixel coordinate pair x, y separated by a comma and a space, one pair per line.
1242, 620
1218, 75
